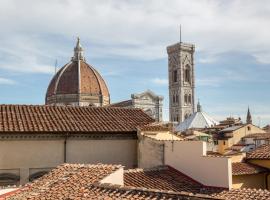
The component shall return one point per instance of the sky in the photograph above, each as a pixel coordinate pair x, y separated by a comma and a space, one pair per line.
126, 40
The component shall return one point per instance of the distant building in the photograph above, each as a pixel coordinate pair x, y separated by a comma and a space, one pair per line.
197, 120
267, 128
231, 138
181, 81
230, 121
148, 101
257, 139
78, 84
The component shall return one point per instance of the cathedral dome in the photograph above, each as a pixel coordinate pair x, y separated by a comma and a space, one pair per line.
77, 83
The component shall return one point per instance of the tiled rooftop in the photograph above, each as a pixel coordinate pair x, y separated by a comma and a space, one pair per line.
68, 181
259, 136
261, 153
231, 128
121, 104
241, 168
156, 126
124, 193
164, 178
82, 182
37, 118
244, 194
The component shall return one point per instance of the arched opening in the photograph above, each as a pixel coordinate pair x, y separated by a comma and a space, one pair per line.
9, 179
187, 74
186, 115
189, 99
37, 175
186, 98
175, 76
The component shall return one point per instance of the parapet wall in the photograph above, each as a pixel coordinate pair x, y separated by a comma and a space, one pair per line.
189, 157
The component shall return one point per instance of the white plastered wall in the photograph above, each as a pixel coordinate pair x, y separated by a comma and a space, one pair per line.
115, 178
189, 157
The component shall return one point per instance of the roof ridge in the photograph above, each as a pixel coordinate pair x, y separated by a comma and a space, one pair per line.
156, 168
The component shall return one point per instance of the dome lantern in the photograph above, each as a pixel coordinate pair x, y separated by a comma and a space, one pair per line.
78, 52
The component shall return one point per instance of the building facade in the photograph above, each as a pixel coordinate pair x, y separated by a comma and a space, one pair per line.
77, 84
36, 139
148, 101
181, 80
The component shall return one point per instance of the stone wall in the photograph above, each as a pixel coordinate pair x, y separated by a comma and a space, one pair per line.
150, 152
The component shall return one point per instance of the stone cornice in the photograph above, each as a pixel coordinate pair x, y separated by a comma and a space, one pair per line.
60, 136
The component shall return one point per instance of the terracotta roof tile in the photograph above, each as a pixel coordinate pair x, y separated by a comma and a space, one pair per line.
258, 136
37, 118
241, 168
165, 178
68, 181
105, 191
244, 194
261, 153
81, 182
68, 81
125, 103
156, 126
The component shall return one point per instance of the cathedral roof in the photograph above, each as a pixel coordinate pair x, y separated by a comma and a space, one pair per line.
198, 119
77, 77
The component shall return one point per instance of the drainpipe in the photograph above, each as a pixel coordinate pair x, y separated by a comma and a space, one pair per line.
65, 148
266, 181
163, 157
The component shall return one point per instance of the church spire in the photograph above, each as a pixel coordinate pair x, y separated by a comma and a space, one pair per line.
249, 118
199, 107
78, 52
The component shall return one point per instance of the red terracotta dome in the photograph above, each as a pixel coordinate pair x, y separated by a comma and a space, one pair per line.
77, 83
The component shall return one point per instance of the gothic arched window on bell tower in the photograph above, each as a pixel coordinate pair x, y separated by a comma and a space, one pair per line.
187, 74
189, 99
186, 98
175, 76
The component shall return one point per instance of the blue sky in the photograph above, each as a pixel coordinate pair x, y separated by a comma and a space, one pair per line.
126, 42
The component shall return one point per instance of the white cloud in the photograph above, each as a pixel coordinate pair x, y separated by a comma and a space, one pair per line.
160, 81
213, 82
5, 81
133, 29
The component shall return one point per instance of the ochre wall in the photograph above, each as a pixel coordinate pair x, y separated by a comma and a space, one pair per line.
249, 181
103, 151
29, 156
262, 163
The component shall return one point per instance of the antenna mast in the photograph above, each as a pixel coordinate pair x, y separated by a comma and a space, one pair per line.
55, 66
180, 34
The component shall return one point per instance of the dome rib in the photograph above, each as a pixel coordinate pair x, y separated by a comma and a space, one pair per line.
59, 76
